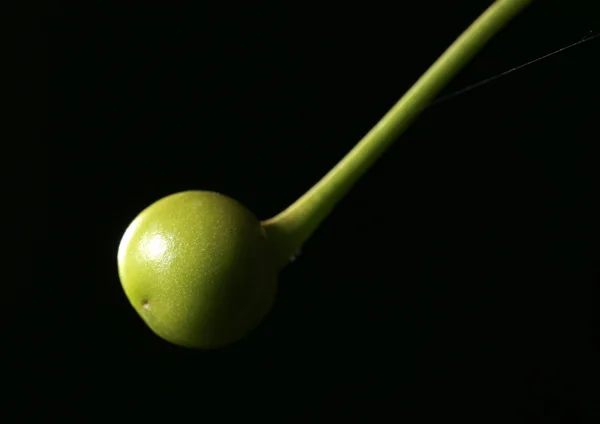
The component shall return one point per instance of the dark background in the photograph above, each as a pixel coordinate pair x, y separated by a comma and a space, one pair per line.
458, 278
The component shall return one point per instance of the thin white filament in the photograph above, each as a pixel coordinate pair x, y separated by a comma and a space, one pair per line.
586, 38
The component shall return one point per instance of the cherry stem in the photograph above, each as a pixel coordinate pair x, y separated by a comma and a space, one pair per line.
291, 228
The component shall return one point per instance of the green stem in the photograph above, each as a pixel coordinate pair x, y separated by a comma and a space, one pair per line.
290, 229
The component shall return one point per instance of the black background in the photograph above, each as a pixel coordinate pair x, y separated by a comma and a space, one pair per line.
458, 278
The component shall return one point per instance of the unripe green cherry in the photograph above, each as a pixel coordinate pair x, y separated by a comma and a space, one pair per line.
197, 268
201, 270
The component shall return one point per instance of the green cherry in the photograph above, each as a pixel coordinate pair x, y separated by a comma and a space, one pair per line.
201, 270
196, 267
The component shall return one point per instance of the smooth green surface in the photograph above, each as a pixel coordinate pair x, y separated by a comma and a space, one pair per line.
196, 268
292, 227
201, 270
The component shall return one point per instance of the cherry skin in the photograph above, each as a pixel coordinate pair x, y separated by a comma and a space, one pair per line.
197, 268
